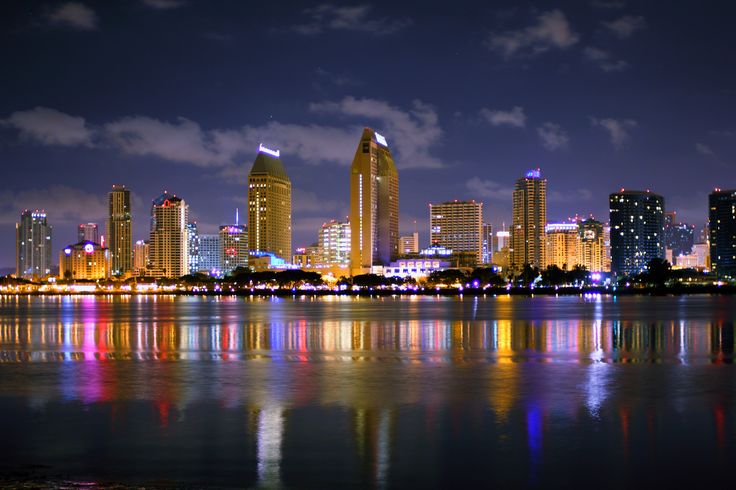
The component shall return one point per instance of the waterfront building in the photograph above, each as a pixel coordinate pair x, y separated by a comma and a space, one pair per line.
169, 245
457, 225
334, 244
529, 219
193, 247
592, 249
417, 268
637, 230
374, 205
120, 231
233, 247
88, 232
722, 226
140, 257
210, 259
409, 244
269, 205
487, 241
85, 260
32, 245
562, 245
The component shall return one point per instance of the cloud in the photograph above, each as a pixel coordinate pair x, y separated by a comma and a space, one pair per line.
552, 30
604, 60
553, 136
310, 202
412, 133
50, 127
570, 196
348, 18
488, 189
514, 118
618, 129
75, 15
62, 204
163, 4
626, 26
704, 150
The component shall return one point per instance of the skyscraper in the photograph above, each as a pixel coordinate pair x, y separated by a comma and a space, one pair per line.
169, 245
592, 245
722, 225
210, 255
529, 218
193, 247
334, 244
562, 245
637, 230
233, 247
374, 205
457, 225
120, 231
269, 205
33, 245
88, 232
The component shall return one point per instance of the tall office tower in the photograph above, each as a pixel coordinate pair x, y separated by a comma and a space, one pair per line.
487, 243
374, 205
209, 255
592, 251
409, 244
562, 245
233, 247
269, 205
457, 225
334, 244
637, 230
193, 247
32, 245
140, 257
529, 218
169, 247
120, 231
722, 225
88, 232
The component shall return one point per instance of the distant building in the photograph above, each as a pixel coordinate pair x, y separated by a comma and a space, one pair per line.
33, 245
637, 230
529, 218
416, 268
457, 225
233, 247
269, 205
592, 251
120, 231
334, 244
84, 260
193, 247
409, 244
502, 252
678, 237
169, 244
140, 258
88, 232
374, 205
562, 245
210, 259
698, 258
722, 225
487, 242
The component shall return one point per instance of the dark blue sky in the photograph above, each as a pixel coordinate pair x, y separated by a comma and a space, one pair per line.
176, 95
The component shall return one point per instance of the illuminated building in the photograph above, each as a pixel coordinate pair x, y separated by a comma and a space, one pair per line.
193, 247
487, 244
169, 247
140, 257
637, 230
529, 218
722, 225
502, 253
88, 232
120, 231
678, 237
233, 247
210, 255
374, 205
32, 245
334, 244
84, 260
592, 246
457, 225
416, 268
409, 244
562, 245
269, 205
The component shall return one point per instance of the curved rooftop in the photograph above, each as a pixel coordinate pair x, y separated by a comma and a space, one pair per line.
267, 164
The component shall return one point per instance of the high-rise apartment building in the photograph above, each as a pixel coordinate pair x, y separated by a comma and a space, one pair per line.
140, 257
269, 205
32, 245
88, 232
562, 245
637, 230
169, 245
334, 244
529, 218
592, 249
233, 247
374, 205
722, 229
210, 255
457, 225
193, 247
120, 231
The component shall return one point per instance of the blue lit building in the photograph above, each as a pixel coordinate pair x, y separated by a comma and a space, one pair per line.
722, 224
209, 255
637, 231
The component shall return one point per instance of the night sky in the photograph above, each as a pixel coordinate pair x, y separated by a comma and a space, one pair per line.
176, 95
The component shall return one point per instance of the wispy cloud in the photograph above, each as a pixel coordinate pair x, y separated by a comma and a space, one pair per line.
327, 17
704, 149
575, 195
63, 204
163, 4
514, 118
617, 129
625, 26
604, 60
488, 189
50, 127
553, 137
75, 15
551, 30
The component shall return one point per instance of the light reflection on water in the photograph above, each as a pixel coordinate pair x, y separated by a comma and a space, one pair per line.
381, 392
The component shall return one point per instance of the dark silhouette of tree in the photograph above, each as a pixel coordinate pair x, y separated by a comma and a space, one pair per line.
487, 276
554, 276
527, 275
448, 276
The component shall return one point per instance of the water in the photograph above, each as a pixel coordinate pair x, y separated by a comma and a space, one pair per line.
402, 392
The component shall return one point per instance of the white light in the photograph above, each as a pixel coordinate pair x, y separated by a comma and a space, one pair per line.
268, 151
381, 140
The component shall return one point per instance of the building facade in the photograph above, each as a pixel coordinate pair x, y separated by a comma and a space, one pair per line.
233, 247
193, 247
269, 205
120, 231
210, 256
457, 225
592, 246
334, 244
32, 245
169, 244
409, 244
374, 205
88, 232
722, 229
85, 260
562, 245
140, 258
637, 230
529, 219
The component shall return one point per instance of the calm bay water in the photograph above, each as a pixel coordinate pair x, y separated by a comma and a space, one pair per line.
339, 392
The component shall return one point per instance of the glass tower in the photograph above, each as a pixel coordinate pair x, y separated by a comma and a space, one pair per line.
637, 231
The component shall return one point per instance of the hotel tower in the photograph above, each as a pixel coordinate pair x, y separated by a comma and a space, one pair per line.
529, 219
